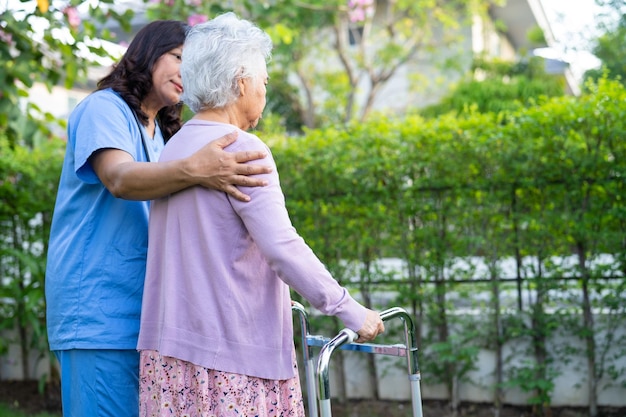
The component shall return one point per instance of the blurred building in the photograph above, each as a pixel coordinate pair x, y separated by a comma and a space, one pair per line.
520, 17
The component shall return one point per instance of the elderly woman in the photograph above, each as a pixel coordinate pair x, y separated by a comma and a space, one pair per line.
216, 327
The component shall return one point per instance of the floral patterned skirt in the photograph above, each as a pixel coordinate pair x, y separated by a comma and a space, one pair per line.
172, 387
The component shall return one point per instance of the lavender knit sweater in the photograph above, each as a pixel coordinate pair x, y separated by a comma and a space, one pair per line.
219, 271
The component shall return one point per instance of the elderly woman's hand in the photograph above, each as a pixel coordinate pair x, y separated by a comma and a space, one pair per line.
372, 327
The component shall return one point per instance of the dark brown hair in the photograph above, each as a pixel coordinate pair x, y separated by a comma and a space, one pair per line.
131, 77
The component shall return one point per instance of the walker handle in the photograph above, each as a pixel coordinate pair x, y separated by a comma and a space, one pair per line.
350, 334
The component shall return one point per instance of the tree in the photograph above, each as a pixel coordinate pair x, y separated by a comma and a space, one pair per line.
388, 35
47, 43
341, 53
504, 86
610, 47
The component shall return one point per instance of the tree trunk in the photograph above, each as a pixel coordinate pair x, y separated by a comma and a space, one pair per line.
539, 329
588, 326
308, 111
497, 323
19, 298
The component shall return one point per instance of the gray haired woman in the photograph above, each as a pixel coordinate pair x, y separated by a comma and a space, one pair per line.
216, 332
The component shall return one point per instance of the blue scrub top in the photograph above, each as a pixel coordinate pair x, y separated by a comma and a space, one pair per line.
98, 243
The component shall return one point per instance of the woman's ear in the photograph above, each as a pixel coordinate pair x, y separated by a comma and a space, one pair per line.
241, 83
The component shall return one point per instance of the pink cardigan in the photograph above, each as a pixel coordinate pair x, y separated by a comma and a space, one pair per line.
219, 271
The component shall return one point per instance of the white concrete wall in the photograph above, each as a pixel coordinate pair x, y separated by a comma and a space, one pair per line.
11, 363
570, 385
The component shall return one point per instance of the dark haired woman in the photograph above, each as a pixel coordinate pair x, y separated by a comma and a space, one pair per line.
98, 241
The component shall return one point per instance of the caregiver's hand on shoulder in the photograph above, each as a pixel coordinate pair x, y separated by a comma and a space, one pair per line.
224, 171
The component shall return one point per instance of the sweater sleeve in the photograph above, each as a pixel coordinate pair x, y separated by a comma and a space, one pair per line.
267, 220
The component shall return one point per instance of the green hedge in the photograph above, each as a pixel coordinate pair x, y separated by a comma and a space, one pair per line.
544, 183
28, 185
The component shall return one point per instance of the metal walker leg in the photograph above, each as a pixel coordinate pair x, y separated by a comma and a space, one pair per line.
318, 379
309, 367
345, 339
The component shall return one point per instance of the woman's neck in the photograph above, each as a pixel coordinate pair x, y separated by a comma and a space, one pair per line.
216, 115
151, 113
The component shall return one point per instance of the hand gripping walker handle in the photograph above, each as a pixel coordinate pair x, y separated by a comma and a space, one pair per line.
348, 336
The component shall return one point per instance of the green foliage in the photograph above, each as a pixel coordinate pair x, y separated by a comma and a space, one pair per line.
540, 183
537, 37
282, 106
530, 378
610, 47
46, 43
27, 188
9, 410
503, 86
452, 358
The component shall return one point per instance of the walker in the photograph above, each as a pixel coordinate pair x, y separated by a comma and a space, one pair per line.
317, 378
